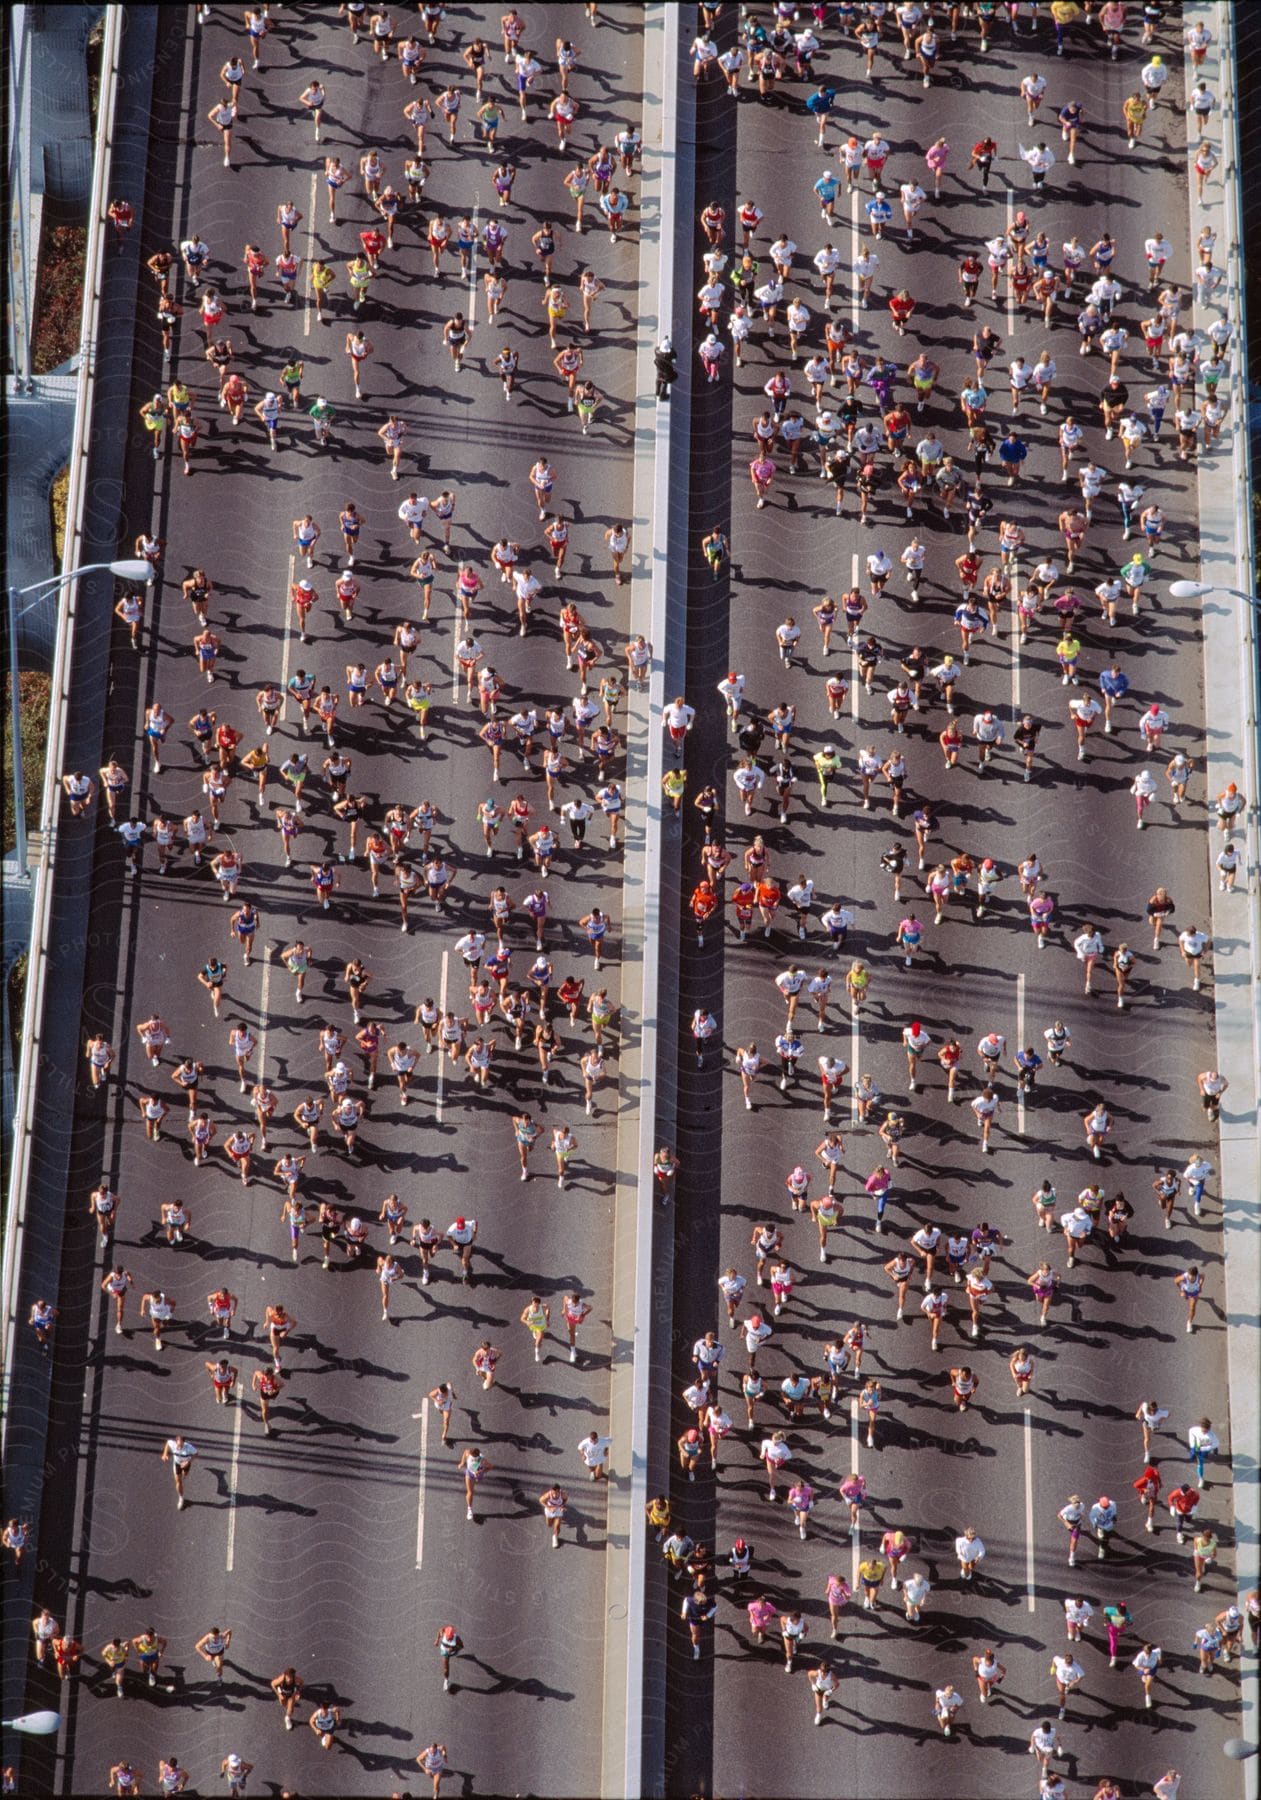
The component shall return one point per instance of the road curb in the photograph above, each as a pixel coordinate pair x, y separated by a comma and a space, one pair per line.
1228, 560
633, 1711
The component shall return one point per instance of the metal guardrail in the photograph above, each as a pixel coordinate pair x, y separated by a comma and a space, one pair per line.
42, 879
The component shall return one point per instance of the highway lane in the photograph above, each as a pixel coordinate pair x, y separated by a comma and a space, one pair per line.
1117, 1333
340, 1544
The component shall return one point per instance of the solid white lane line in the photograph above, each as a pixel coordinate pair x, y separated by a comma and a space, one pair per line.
442, 1007
472, 272
854, 683
264, 998
233, 1477
284, 655
264, 1001
423, 1416
310, 255
1015, 645
1011, 293
854, 1551
1030, 1588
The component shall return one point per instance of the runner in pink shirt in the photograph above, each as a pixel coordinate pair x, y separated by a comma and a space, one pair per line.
762, 474
837, 1593
762, 1615
1041, 907
877, 1185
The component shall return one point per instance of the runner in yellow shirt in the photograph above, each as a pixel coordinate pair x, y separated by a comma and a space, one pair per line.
322, 279
536, 1316
1134, 110
674, 785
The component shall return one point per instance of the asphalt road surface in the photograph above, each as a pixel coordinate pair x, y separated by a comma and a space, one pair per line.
340, 1544
1116, 1334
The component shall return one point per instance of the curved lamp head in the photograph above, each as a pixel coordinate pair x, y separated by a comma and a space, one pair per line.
36, 1724
1190, 590
1239, 1749
132, 568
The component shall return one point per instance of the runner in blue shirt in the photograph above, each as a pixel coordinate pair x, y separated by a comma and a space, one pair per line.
827, 187
1012, 451
1114, 685
820, 104
879, 211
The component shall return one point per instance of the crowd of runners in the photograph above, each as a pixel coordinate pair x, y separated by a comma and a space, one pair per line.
512, 983
841, 354
896, 441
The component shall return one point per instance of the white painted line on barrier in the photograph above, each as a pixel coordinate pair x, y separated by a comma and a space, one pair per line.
233, 1477
423, 1416
1030, 1587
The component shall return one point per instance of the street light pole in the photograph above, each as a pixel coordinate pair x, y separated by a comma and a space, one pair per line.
1196, 590
128, 569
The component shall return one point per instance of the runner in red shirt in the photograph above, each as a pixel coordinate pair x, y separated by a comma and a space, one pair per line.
1147, 1487
123, 217
949, 1056
227, 737
901, 305
704, 905
373, 241
1183, 1501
